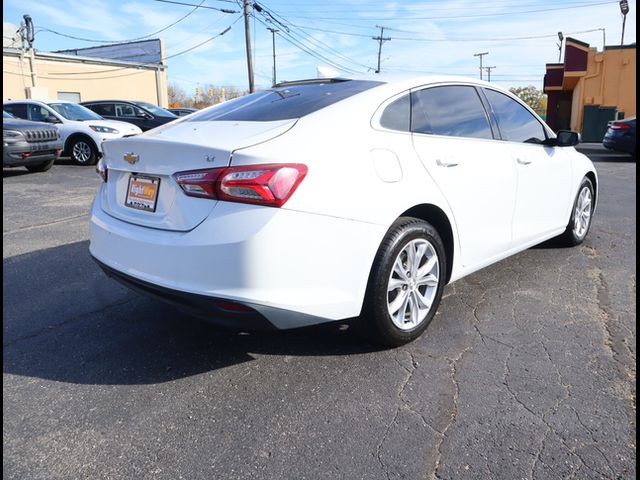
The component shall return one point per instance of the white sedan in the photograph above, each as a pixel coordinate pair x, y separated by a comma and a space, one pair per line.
334, 199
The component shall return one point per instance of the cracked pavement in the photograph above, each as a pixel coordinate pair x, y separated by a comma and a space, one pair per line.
526, 372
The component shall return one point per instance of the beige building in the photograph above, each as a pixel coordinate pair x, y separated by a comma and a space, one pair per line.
44, 75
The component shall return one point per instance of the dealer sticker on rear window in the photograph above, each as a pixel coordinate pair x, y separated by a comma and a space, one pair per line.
142, 192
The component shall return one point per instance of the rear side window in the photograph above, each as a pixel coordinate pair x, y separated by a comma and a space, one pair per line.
397, 115
18, 110
516, 123
104, 109
283, 103
454, 111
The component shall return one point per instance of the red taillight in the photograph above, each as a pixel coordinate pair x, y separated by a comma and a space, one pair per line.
620, 126
270, 184
25, 155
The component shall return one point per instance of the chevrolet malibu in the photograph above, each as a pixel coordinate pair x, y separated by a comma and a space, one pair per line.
334, 199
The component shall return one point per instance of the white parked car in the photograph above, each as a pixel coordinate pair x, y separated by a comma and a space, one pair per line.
336, 199
81, 130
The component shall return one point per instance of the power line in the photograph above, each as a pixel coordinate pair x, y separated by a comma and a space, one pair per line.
285, 24
369, 19
297, 43
224, 10
151, 64
287, 34
196, 7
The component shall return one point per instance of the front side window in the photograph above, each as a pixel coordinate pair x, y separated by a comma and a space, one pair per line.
516, 123
130, 111
454, 111
161, 112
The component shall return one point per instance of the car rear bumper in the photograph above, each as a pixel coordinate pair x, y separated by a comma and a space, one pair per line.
293, 268
620, 143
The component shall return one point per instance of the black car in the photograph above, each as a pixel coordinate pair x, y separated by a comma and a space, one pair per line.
621, 136
34, 145
182, 111
143, 114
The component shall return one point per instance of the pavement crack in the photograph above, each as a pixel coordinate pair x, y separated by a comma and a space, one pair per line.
453, 366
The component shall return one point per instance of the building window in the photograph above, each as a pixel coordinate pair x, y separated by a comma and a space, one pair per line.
69, 96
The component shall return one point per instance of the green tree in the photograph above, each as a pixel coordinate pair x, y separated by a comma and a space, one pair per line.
532, 97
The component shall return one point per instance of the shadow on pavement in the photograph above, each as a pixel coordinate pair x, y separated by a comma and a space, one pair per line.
64, 320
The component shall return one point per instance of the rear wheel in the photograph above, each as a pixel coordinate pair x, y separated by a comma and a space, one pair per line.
581, 215
40, 167
405, 285
83, 152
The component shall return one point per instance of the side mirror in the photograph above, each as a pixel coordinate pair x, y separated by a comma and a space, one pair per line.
52, 119
567, 138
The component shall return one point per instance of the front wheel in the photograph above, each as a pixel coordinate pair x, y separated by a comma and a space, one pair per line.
405, 285
83, 152
581, 215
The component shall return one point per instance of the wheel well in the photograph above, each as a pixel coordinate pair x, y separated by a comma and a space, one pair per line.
72, 138
436, 217
592, 176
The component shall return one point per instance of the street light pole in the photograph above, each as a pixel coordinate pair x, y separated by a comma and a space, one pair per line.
273, 36
561, 38
480, 55
624, 9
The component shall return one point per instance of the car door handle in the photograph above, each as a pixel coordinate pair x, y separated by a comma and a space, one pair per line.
445, 163
523, 161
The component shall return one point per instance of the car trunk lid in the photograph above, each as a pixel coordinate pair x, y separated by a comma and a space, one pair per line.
141, 188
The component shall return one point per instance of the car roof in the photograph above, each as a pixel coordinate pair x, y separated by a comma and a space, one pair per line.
135, 102
45, 101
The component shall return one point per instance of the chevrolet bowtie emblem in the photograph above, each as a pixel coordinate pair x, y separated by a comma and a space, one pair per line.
131, 157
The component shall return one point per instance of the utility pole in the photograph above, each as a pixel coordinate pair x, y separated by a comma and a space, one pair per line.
480, 55
247, 36
381, 38
273, 34
624, 9
488, 69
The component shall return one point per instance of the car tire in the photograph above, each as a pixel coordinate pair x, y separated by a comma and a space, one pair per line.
581, 215
405, 285
40, 167
83, 152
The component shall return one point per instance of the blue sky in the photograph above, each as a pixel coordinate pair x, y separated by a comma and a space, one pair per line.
425, 36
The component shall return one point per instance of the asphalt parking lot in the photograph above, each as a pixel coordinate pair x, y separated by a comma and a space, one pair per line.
527, 371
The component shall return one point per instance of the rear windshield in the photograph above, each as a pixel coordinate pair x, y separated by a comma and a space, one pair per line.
285, 102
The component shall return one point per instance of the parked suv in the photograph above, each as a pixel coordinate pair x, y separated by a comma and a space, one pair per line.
143, 114
81, 130
34, 145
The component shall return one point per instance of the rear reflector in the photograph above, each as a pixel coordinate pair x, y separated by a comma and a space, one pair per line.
270, 184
